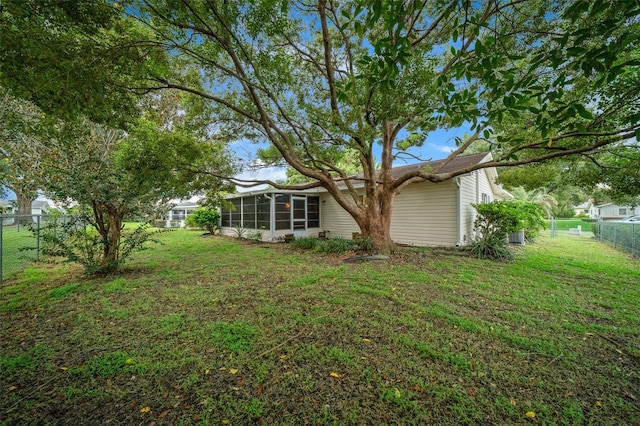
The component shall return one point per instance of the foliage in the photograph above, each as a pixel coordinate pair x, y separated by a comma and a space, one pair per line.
116, 175
77, 58
256, 235
498, 219
306, 243
71, 238
334, 245
206, 218
342, 78
239, 231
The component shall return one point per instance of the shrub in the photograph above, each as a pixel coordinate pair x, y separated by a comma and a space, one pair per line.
334, 245
208, 219
306, 243
72, 238
496, 220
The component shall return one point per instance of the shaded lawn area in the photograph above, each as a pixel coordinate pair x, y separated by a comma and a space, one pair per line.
207, 330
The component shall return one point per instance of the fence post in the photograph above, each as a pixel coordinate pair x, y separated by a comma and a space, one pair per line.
38, 238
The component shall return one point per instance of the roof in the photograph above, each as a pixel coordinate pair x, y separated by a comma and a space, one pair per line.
459, 163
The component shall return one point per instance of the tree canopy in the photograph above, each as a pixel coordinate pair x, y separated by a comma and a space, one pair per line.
317, 79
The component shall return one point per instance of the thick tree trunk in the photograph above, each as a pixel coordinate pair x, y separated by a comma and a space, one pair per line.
376, 223
109, 224
24, 207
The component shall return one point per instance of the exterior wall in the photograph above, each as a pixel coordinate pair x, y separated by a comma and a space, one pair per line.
267, 236
612, 211
424, 214
335, 219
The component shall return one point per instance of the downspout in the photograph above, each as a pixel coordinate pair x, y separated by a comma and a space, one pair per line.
456, 181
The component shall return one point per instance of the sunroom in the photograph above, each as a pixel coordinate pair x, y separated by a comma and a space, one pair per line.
270, 214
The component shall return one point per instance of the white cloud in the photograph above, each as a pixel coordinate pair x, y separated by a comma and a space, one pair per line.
442, 148
264, 173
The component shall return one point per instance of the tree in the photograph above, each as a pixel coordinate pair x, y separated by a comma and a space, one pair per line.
73, 58
539, 196
114, 174
317, 79
21, 124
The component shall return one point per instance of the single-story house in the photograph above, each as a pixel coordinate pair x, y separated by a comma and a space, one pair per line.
7, 207
610, 211
424, 214
177, 216
587, 209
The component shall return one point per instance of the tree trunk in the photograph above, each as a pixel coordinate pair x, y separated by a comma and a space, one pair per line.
377, 221
24, 207
108, 222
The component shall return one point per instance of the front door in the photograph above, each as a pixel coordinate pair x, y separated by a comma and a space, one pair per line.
299, 217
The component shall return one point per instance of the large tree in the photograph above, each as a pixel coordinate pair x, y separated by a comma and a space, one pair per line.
113, 175
72, 58
21, 125
316, 79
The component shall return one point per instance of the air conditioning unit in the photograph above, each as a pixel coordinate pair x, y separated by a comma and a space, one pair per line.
517, 238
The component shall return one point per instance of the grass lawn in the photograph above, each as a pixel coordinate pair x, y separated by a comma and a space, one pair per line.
566, 224
207, 330
14, 257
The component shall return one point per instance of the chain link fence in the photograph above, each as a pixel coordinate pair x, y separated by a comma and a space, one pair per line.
623, 236
19, 244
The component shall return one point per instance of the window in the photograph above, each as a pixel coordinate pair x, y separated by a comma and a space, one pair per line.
313, 212
283, 211
236, 212
225, 216
249, 212
178, 214
263, 213
622, 211
486, 198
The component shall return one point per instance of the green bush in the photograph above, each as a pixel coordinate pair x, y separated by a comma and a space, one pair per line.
72, 238
334, 245
306, 243
498, 219
208, 219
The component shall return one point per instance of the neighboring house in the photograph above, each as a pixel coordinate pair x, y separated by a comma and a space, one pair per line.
424, 214
7, 206
177, 216
587, 209
609, 211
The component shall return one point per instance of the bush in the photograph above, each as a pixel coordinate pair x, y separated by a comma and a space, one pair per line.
208, 219
73, 239
498, 219
334, 245
491, 247
306, 243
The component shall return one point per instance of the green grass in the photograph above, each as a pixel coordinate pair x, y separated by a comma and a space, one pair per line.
15, 257
566, 224
208, 330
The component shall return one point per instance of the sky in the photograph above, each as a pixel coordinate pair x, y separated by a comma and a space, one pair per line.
438, 145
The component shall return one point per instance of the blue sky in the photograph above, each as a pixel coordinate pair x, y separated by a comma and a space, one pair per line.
438, 145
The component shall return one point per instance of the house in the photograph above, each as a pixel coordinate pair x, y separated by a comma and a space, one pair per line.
587, 209
177, 216
424, 214
609, 211
7, 207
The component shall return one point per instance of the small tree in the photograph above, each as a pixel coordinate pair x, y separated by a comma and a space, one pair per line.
206, 218
496, 220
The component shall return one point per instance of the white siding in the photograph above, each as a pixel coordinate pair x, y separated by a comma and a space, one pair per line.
424, 214
335, 219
